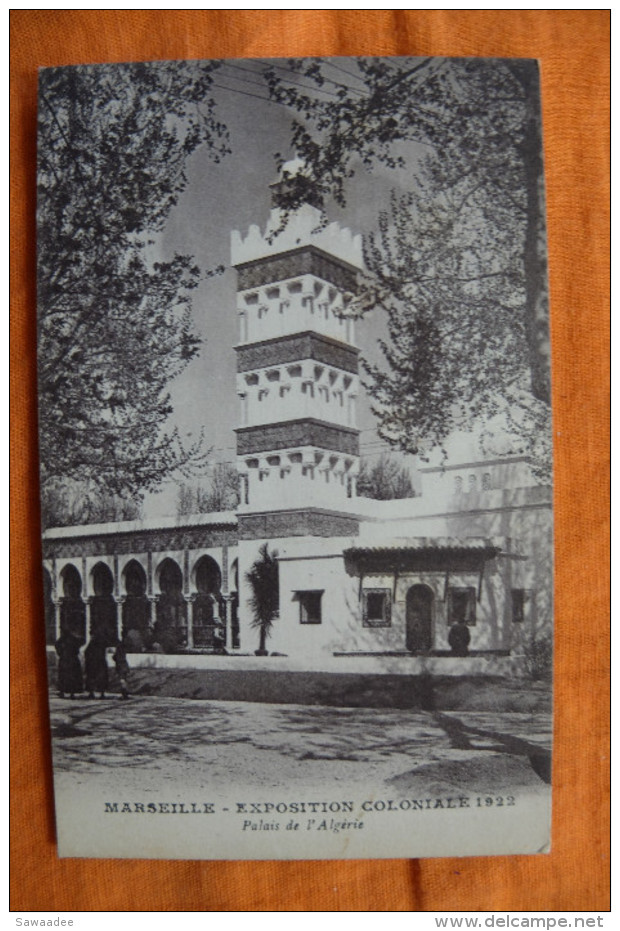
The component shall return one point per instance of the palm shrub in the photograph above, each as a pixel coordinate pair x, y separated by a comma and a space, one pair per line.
264, 601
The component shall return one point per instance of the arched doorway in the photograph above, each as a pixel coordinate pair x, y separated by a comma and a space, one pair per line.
419, 619
170, 629
72, 608
208, 630
48, 606
103, 606
136, 614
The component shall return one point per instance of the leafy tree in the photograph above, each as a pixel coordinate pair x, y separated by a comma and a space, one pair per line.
66, 504
222, 493
458, 261
264, 601
457, 352
538, 657
384, 479
114, 325
186, 500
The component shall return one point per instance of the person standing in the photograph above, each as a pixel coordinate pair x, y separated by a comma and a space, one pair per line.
459, 638
96, 666
122, 669
69, 666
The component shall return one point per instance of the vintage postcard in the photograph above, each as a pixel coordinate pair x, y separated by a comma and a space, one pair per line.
296, 457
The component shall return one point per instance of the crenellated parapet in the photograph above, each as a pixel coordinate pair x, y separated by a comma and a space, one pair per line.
300, 229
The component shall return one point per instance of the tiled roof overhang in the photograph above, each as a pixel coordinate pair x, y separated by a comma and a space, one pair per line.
423, 554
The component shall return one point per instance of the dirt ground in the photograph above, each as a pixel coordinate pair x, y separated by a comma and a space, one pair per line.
150, 743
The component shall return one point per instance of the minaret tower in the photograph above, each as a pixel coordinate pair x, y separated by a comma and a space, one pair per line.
297, 381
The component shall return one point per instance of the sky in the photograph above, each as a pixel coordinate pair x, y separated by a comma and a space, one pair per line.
233, 195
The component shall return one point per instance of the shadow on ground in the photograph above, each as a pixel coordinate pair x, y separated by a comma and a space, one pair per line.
345, 690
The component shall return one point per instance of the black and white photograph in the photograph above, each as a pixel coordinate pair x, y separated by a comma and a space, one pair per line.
295, 457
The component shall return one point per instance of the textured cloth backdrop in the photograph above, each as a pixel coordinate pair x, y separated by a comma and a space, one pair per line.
574, 50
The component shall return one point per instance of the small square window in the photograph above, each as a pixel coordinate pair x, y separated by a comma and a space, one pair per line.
377, 607
462, 606
310, 607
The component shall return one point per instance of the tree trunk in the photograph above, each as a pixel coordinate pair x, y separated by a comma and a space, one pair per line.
535, 246
262, 651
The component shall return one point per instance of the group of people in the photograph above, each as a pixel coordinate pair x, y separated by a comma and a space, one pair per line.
95, 676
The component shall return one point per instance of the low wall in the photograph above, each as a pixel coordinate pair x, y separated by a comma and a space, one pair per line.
385, 664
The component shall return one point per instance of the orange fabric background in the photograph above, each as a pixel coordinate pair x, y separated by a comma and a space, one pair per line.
574, 50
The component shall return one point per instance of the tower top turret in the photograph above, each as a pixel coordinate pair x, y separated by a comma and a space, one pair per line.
303, 226
294, 184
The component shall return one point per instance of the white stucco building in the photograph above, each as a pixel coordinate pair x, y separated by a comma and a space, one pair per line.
383, 581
